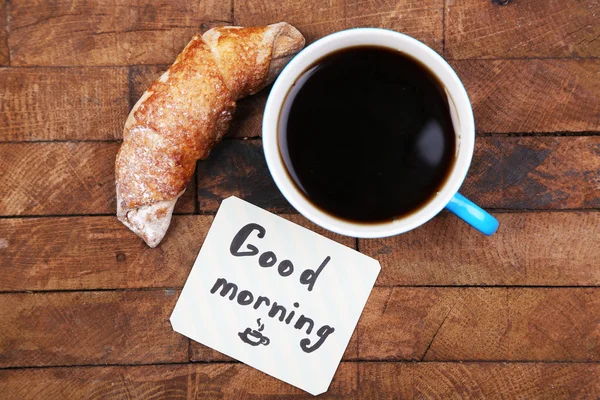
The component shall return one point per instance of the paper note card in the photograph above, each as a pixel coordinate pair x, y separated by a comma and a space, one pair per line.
274, 295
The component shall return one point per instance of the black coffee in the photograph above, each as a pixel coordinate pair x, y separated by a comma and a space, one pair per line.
366, 134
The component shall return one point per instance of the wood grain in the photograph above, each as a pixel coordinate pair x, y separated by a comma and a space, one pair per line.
141, 77
78, 253
386, 380
69, 328
94, 32
238, 168
538, 248
352, 381
202, 353
399, 323
4, 52
560, 322
179, 381
314, 19
431, 324
83, 253
422, 20
515, 324
533, 95
63, 178
546, 173
478, 380
63, 103
247, 119
92, 103
484, 29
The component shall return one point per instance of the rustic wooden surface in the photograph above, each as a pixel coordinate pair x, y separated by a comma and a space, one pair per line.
4, 56
84, 304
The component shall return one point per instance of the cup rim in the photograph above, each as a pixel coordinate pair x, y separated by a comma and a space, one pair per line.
462, 115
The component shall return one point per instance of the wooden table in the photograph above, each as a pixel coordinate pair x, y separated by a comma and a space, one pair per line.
84, 305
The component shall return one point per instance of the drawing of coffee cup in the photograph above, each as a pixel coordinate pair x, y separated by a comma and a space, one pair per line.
253, 337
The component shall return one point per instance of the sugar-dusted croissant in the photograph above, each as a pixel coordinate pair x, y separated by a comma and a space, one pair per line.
186, 112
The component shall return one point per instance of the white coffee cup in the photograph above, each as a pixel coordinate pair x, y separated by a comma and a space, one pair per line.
462, 119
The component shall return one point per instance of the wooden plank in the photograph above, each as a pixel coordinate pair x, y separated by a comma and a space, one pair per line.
63, 178
533, 95
478, 380
518, 324
422, 20
63, 103
57, 178
314, 19
431, 324
508, 96
78, 178
510, 172
507, 380
179, 381
69, 328
83, 253
484, 29
374, 381
537, 248
535, 172
92, 103
238, 168
563, 323
99, 33
4, 52
247, 120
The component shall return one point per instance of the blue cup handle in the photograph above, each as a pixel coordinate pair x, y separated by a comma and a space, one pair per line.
472, 214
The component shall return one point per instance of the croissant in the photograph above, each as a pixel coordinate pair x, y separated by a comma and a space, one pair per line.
185, 112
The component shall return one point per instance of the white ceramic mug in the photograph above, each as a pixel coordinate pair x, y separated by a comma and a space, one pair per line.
462, 119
